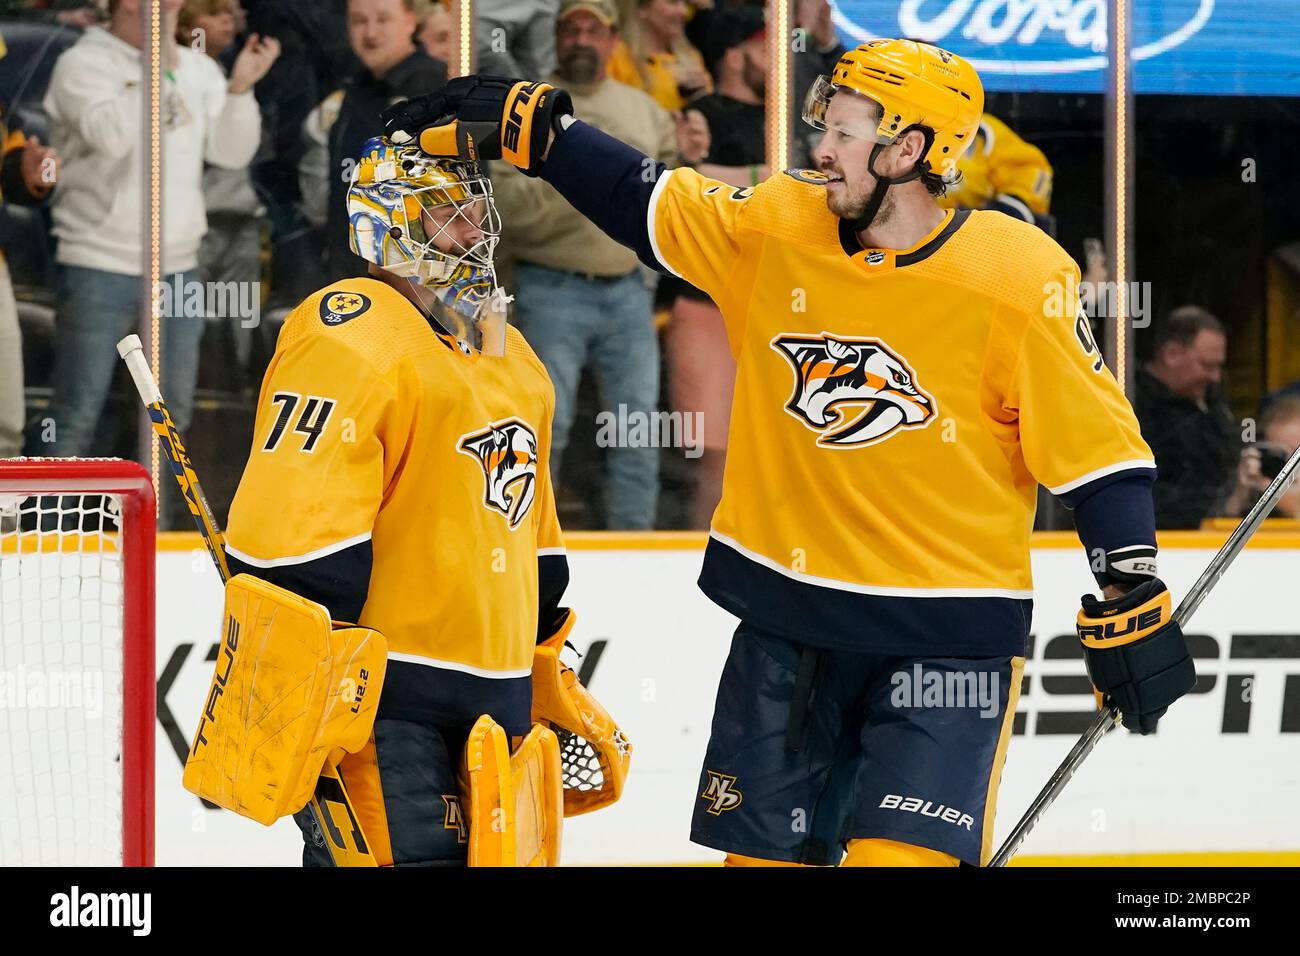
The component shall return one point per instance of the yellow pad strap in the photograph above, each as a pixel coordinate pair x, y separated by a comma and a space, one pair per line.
596, 754
513, 801
290, 692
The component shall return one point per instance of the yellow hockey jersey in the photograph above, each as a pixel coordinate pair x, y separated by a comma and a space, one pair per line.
406, 485
894, 412
1002, 169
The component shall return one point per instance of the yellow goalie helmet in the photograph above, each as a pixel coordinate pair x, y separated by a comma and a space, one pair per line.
916, 85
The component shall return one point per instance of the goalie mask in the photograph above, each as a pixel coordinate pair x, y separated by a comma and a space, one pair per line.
432, 221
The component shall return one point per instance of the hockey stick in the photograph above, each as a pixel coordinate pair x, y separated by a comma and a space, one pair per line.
1108, 718
330, 788
132, 352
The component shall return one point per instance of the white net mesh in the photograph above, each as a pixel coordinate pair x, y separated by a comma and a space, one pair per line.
61, 661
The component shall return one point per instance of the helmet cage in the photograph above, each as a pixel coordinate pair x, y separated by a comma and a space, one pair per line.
403, 204
391, 192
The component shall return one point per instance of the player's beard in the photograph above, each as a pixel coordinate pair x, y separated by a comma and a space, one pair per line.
580, 64
853, 202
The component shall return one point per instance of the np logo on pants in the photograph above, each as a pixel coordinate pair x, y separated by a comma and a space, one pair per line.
721, 791
453, 818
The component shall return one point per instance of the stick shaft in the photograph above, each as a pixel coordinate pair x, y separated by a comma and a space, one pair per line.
1237, 540
178, 458
1107, 719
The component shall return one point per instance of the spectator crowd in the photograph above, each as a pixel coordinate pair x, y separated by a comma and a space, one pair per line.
265, 108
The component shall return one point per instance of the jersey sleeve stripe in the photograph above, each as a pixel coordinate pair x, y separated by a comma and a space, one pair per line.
551, 552
1102, 473
1021, 210
298, 558
660, 184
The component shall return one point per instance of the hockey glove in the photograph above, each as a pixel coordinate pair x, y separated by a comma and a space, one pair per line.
499, 118
1135, 653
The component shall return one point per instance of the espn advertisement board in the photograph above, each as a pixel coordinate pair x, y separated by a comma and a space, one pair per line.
1222, 775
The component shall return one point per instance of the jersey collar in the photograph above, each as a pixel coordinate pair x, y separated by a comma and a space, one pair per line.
877, 261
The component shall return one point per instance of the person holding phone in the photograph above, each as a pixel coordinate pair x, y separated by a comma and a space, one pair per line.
1279, 431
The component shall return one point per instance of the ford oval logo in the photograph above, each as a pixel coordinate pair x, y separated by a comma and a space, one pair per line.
1000, 25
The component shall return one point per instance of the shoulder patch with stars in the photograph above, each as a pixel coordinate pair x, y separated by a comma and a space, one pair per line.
810, 176
339, 307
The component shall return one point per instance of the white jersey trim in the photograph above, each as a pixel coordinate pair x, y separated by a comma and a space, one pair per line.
324, 552
552, 552
650, 221
1102, 473
459, 667
1026, 213
869, 589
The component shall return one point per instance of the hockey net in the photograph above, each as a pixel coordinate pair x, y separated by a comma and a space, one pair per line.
76, 663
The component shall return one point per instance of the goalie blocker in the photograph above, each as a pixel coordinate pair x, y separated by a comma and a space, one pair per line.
390, 792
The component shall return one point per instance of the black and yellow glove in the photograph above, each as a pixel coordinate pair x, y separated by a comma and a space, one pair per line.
480, 117
1136, 654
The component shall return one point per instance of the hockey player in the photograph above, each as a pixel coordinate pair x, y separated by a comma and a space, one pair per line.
906, 377
1001, 171
399, 478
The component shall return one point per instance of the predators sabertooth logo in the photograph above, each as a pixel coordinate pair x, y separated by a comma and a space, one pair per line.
507, 453
833, 373
722, 793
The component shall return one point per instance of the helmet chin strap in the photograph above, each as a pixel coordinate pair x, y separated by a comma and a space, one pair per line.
863, 222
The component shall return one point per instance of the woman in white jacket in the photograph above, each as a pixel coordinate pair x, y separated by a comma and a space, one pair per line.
95, 104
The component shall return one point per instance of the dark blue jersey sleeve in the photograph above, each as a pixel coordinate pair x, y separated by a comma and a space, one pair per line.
1115, 515
340, 581
609, 182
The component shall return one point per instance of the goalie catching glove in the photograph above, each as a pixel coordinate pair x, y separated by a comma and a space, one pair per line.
480, 117
595, 754
1136, 654
574, 760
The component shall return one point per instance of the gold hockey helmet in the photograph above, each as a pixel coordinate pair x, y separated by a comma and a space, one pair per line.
916, 85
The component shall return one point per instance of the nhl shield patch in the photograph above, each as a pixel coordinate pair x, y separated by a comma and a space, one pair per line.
339, 307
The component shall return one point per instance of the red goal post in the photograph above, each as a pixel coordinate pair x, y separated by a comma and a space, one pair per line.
77, 567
